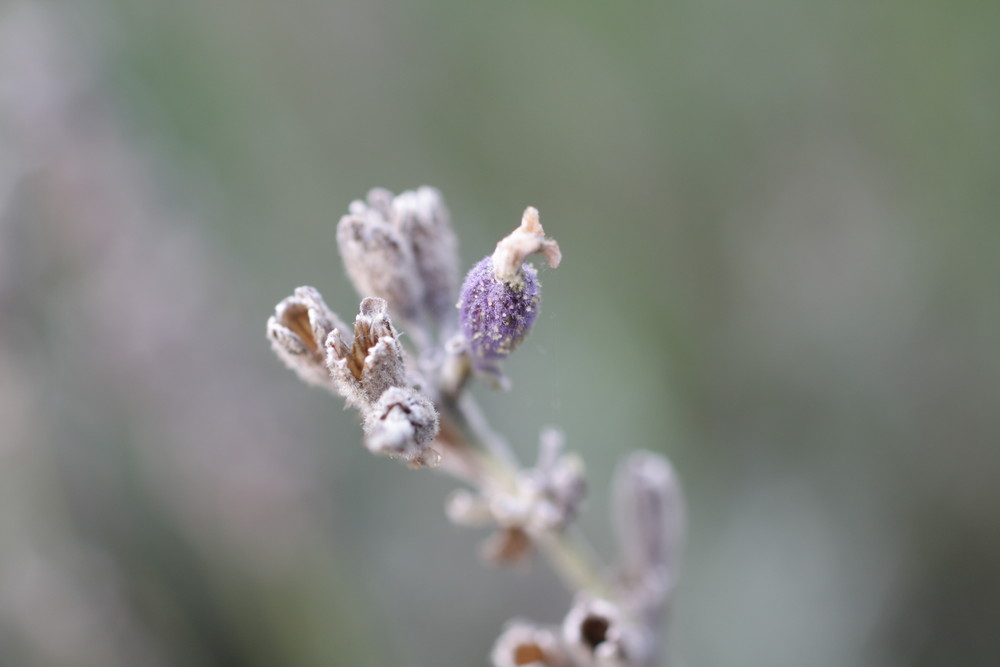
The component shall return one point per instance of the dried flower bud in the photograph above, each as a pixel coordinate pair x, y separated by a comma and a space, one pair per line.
510, 545
297, 331
500, 296
558, 483
597, 633
456, 368
650, 518
523, 644
370, 363
402, 424
378, 258
403, 249
468, 509
541, 501
422, 218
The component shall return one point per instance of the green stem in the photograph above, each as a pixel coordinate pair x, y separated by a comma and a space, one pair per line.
570, 555
575, 563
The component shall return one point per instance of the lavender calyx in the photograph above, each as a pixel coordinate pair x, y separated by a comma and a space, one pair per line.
500, 297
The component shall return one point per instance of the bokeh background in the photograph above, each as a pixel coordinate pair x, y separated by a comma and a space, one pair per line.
780, 228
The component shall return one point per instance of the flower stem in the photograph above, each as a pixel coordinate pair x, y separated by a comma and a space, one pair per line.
575, 562
570, 555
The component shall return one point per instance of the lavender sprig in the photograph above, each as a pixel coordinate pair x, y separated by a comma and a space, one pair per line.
401, 254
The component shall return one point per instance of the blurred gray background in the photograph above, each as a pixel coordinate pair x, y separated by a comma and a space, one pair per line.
780, 229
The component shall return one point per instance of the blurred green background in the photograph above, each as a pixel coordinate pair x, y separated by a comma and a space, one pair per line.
780, 229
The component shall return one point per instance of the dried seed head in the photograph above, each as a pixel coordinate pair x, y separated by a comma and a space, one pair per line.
422, 217
593, 630
297, 331
597, 633
402, 424
541, 501
378, 258
372, 361
650, 519
558, 483
523, 644
500, 296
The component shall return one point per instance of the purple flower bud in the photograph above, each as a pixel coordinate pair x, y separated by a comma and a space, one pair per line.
496, 315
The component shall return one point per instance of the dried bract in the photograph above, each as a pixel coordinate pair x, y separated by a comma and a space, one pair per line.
523, 644
422, 217
541, 500
378, 258
557, 481
650, 519
366, 366
297, 331
597, 633
403, 250
402, 425
510, 545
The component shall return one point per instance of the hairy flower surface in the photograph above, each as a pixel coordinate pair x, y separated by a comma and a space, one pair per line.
377, 256
497, 315
402, 425
403, 250
400, 253
298, 330
501, 295
422, 217
372, 362
368, 369
649, 519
